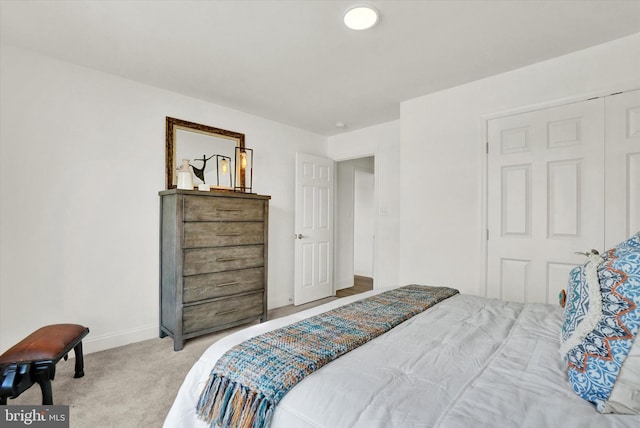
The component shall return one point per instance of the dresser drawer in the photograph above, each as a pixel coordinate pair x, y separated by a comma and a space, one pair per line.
223, 311
219, 259
221, 209
219, 234
210, 285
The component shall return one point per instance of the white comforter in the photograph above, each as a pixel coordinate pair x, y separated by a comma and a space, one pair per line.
466, 362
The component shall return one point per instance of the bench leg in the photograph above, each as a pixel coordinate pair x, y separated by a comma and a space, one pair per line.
79, 360
42, 373
45, 386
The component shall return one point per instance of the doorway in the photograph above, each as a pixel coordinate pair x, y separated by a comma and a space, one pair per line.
355, 225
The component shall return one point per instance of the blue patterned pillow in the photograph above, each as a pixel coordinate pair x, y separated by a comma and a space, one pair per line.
601, 320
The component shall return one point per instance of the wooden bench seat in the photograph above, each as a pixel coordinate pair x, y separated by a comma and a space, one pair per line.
34, 359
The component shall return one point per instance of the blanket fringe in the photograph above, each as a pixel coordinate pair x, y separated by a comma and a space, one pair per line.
226, 403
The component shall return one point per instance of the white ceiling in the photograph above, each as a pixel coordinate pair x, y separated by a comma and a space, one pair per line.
296, 63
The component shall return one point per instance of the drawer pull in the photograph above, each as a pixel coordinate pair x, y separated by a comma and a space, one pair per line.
226, 284
227, 312
227, 209
228, 234
227, 259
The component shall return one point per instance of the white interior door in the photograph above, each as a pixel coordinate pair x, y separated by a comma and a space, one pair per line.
313, 228
545, 198
622, 157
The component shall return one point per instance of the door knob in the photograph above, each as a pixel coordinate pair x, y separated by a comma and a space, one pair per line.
298, 236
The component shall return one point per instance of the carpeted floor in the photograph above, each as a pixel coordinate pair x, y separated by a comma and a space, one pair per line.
129, 386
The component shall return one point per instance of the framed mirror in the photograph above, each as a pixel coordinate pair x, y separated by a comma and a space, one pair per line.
199, 144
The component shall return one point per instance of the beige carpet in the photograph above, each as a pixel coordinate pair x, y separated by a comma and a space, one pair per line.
129, 386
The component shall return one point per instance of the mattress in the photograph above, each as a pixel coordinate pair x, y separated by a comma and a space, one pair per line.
468, 361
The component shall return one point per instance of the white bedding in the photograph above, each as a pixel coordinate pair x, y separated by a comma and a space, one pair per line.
466, 362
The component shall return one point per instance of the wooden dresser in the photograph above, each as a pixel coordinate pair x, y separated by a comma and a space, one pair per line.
213, 261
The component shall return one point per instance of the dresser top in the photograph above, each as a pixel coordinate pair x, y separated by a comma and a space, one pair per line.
214, 194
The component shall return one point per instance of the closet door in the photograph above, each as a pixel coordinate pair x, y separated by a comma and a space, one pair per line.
545, 198
622, 158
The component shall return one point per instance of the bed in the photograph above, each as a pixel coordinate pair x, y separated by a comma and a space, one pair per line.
467, 361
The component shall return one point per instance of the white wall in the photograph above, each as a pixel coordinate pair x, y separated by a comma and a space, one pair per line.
381, 141
364, 222
343, 254
443, 151
82, 161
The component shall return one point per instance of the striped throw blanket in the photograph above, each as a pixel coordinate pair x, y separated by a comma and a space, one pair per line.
251, 378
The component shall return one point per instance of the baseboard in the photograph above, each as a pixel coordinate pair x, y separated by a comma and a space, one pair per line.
113, 340
93, 343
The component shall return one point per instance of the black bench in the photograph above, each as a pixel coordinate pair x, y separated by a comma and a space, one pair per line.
33, 360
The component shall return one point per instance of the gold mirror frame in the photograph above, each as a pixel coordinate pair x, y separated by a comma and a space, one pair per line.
173, 125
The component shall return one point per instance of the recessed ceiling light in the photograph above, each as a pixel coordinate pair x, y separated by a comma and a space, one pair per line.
360, 17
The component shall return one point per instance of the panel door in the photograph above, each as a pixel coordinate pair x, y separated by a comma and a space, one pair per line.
313, 228
622, 158
545, 198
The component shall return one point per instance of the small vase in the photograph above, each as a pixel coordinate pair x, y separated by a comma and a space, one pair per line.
185, 180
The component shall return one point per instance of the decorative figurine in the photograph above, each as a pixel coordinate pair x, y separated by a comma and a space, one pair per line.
199, 172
